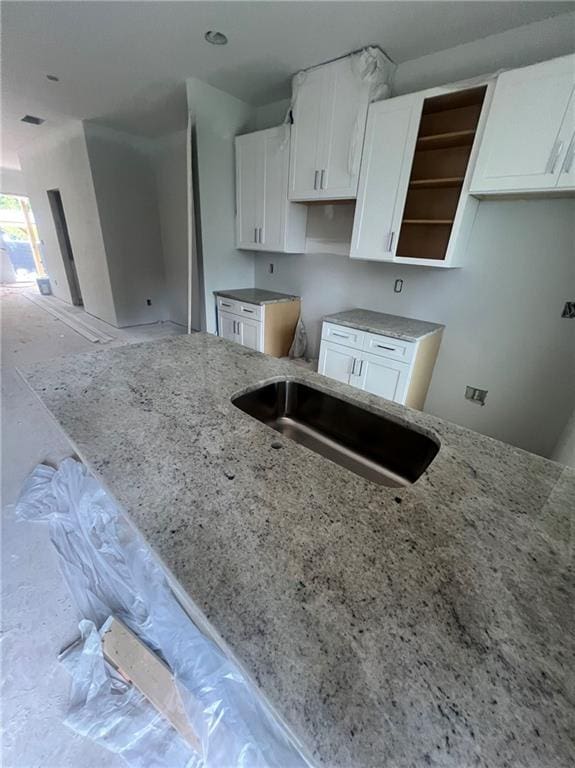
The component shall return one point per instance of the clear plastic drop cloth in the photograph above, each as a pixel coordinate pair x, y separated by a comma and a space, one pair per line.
110, 570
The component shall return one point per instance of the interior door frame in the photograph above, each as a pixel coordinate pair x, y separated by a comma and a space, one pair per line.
61, 226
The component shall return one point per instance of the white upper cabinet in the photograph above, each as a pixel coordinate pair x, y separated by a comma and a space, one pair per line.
265, 218
413, 203
528, 140
329, 117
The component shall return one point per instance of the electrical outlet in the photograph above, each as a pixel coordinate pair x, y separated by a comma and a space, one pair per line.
271, 268
398, 285
476, 395
569, 310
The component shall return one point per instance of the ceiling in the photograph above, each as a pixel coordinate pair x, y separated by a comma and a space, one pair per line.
124, 63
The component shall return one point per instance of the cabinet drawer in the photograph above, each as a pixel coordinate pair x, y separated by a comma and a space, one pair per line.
385, 346
341, 334
228, 305
250, 310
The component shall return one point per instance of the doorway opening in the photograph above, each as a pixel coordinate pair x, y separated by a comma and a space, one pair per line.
19, 241
57, 208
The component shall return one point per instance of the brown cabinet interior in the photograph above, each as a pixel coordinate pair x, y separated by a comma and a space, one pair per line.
444, 142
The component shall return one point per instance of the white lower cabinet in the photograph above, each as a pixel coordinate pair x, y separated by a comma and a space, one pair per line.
395, 369
266, 328
384, 377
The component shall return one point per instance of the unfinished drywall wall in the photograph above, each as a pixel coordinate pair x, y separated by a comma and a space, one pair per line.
171, 182
12, 182
125, 188
61, 162
217, 118
517, 47
504, 330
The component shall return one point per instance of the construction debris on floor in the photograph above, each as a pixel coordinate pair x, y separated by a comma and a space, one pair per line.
148, 684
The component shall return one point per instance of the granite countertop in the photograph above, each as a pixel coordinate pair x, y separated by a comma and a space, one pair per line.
430, 625
395, 326
256, 296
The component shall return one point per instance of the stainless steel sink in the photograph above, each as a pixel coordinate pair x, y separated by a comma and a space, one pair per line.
373, 446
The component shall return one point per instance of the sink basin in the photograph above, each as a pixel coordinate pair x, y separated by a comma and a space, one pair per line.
371, 445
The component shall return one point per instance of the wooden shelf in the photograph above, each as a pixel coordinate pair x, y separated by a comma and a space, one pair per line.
445, 140
428, 221
449, 181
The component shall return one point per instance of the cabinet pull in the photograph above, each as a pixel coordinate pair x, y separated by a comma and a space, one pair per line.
340, 335
568, 162
382, 346
353, 367
223, 304
360, 367
255, 234
554, 156
249, 311
321, 178
316, 174
390, 236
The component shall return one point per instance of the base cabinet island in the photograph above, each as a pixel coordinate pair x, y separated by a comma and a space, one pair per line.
391, 627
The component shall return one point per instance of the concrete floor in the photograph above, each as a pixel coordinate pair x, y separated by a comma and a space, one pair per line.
38, 617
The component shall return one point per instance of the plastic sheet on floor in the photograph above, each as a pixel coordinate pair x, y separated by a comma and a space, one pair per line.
110, 570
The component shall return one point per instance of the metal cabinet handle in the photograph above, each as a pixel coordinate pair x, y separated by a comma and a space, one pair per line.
321, 178
360, 367
249, 311
340, 335
316, 174
568, 162
353, 367
390, 236
382, 346
223, 304
554, 156
255, 234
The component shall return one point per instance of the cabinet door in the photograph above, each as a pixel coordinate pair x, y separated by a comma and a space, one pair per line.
336, 361
274, 193
250, 150
521, 148
341, 131
228, 326
250, 333
384, 377
307, 116
390, 138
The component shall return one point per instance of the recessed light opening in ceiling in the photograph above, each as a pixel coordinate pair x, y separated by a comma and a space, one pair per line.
53, 78
33, 120
215, 38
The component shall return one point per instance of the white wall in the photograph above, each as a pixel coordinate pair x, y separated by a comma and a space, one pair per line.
217, 118
171, 182
502, 313
514, 48
125, 187
12, 182
62, 163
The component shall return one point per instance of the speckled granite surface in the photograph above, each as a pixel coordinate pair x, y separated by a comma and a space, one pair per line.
406, 328
427, 626
256, 295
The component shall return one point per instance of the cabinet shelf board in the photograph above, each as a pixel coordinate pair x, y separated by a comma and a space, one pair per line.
445, 140
448, 181
428, 221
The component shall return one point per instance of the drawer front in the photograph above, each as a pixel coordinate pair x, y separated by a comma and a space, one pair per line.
395, 349
228, 305
341, 334
250, 310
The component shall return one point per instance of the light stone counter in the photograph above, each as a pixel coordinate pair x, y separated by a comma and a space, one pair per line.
426, 626
256, 296
395, 326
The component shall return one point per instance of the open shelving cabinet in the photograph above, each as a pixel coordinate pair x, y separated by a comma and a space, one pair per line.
447, 131
413, 203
